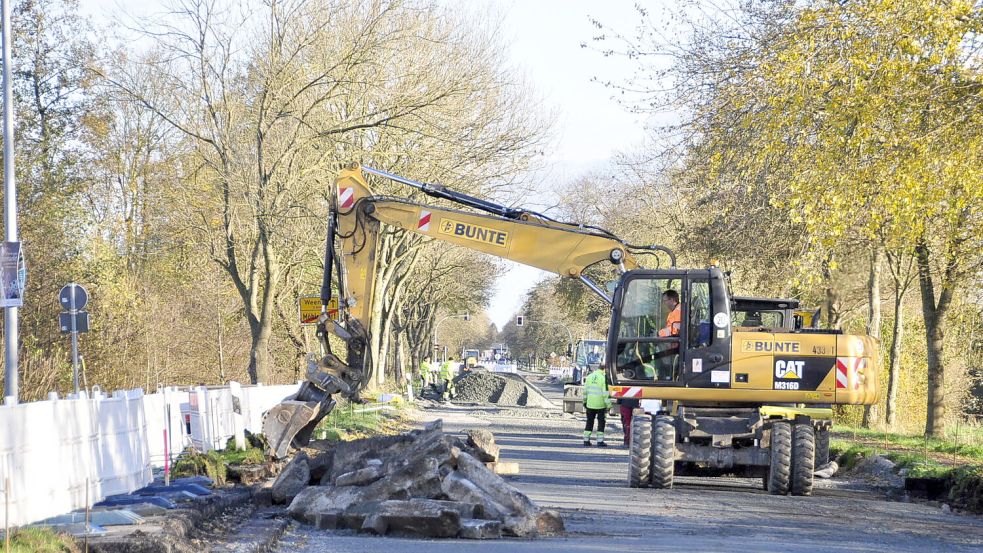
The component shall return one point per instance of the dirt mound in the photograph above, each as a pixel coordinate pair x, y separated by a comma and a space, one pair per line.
500, 389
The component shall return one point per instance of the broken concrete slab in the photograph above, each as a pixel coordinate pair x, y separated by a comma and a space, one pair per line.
482, 445
295, 477
413, 518
479, 529
493, 485
360, 477
502, 467
320, 499
463, 490
539, 523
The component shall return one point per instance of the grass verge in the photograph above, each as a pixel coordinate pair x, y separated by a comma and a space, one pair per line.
350, 422
960, 465
40, 540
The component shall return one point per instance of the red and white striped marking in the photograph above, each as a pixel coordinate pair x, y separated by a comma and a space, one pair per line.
846, 371
633, 391
424, 224
346, 197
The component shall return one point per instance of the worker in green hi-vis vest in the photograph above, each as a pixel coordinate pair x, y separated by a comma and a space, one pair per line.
596, 404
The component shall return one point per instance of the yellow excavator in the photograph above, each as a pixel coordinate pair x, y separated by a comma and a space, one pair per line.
743, 385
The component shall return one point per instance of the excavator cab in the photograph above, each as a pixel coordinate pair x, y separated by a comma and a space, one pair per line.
689, 354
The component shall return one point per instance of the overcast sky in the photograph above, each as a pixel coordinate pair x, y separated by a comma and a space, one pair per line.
544, 38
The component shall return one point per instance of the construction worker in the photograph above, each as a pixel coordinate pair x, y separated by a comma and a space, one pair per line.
434, 377
669, 352
627, 407
670, 300
596, 403
424, 374
447, 378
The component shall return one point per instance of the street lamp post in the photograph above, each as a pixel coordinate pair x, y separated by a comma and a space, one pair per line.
465, 316
10, 330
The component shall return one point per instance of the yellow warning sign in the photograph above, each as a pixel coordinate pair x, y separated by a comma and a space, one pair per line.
310, 309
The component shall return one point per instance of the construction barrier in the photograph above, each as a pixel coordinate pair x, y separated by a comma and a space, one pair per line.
505, 368
57, 454
561, 372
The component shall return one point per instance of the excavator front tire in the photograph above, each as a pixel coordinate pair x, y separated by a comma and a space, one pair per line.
803, 458
640, 451
663, 453
780, 468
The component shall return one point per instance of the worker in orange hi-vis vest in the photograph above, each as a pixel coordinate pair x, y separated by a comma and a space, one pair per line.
670, 300
668, 355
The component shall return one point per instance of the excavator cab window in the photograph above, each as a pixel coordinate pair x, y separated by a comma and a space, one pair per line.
642, 354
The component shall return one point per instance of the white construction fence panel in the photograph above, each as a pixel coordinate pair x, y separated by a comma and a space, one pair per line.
51, 450
561, 372
219, 414
505, 368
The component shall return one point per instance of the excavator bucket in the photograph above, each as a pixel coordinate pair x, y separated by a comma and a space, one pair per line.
291, 423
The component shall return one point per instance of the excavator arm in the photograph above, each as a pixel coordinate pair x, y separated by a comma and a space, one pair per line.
351, 261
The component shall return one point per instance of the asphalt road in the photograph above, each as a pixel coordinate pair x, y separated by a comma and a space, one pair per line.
588, 486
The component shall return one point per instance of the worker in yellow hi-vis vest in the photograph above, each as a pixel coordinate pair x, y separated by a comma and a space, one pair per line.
596, 404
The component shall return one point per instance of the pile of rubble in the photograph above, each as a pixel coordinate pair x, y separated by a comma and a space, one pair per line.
422, 483
501, 389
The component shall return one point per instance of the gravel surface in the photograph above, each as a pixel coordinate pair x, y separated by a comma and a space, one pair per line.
500, 389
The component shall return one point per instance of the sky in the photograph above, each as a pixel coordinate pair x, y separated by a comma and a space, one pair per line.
591, 127
544, 39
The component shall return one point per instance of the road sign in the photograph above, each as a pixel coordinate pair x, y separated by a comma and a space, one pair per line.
310, 309
81, 297
81, 321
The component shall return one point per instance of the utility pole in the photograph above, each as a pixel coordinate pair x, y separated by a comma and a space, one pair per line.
10, 330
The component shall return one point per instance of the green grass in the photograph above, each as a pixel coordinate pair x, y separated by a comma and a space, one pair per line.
349, 422
961, 463
967, 443
40, 540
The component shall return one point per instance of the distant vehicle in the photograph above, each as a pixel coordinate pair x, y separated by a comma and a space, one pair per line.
588, 354
470, 358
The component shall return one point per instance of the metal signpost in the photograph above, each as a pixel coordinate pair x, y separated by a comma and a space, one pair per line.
73, 298
10, 338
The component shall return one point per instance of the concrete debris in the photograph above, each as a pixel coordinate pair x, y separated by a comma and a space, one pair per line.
482, 445
423, 483
476, 529
294, 478
827, 470
503, 468
500, 389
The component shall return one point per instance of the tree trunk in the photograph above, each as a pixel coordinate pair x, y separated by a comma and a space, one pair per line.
894, 362
873, 317
259, 353
934, 315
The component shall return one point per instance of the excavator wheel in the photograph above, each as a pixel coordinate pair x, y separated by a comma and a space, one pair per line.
803, 458
822, 447
640, 451
663, 453
779, 470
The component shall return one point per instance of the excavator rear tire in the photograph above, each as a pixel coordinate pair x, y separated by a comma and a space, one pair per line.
803, 459
780, 467
822, 447
640, 451
663, 453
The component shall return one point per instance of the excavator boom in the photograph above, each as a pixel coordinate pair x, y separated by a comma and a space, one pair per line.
357, 213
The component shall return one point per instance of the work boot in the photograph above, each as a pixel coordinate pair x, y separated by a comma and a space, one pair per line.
601, 444
587, 443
